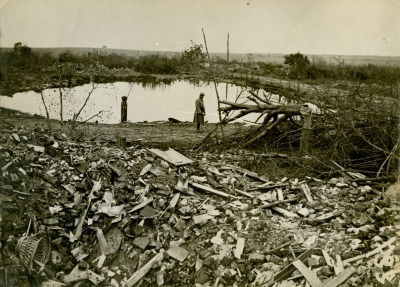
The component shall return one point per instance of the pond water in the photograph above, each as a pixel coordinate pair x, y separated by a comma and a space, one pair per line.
146, 102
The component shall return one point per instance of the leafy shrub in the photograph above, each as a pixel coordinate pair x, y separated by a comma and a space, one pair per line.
193, 56
298, 64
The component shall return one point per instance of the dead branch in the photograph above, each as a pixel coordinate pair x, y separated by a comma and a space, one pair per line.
254, 100
266, 130
265, 101
95, 115
388, 158
44, 104
76, 115
260, 107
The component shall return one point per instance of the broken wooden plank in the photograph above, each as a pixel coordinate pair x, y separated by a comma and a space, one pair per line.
138, 275
70, 188
306, 190
146, 169
329, 260
16, 137
248, 173
244, 193
202, 218
105, 249
288, 270
377, 250
268, 205
285, 212
79, 275
187, 192
274, 196
303, 211
78, 231
357, 175
292, 251
239, 247
266, 187
323, 217
79, 227
342, 171
20, 192
101, 259
280, 194
114, 240
280, 246
39, 149
310, 276
141, 205
4, 168
174, 200
171, 156
178, 253
338, 266
211, 190
183, 182
201, 179
336, 281
380, 248
157, 172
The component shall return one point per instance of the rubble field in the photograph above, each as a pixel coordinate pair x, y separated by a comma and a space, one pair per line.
88, 213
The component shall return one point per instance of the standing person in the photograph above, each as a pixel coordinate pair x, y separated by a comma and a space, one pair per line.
200, 112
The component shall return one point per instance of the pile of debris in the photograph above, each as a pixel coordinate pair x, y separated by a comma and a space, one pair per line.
84, 214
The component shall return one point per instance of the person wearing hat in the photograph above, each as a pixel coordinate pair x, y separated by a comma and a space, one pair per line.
200, 112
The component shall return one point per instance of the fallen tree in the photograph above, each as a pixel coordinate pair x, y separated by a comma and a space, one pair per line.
272, 115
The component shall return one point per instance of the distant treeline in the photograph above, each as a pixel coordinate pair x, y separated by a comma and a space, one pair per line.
22, 57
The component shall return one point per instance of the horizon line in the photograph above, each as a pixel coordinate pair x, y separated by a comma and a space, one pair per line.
243, 53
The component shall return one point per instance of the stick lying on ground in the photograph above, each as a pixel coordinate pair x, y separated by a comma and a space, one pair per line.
211, 190
138, 275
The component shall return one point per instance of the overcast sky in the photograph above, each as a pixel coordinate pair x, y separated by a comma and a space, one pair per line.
342, 27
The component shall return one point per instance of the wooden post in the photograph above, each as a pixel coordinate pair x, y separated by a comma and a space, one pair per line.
306, 135
124, 109
306, 132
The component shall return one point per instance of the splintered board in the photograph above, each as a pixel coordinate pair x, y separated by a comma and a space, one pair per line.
171, 156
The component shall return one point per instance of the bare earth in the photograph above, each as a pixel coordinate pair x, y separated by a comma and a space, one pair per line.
155, 134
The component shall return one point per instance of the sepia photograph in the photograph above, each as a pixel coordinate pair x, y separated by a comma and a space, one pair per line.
199, 143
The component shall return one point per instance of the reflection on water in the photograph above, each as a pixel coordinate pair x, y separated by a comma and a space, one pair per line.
146, 101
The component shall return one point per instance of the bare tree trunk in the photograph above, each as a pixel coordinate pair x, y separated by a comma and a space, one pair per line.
227, 66
45, 108
215, 84
75, 117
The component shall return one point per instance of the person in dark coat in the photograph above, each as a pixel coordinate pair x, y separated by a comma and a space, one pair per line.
200, 112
